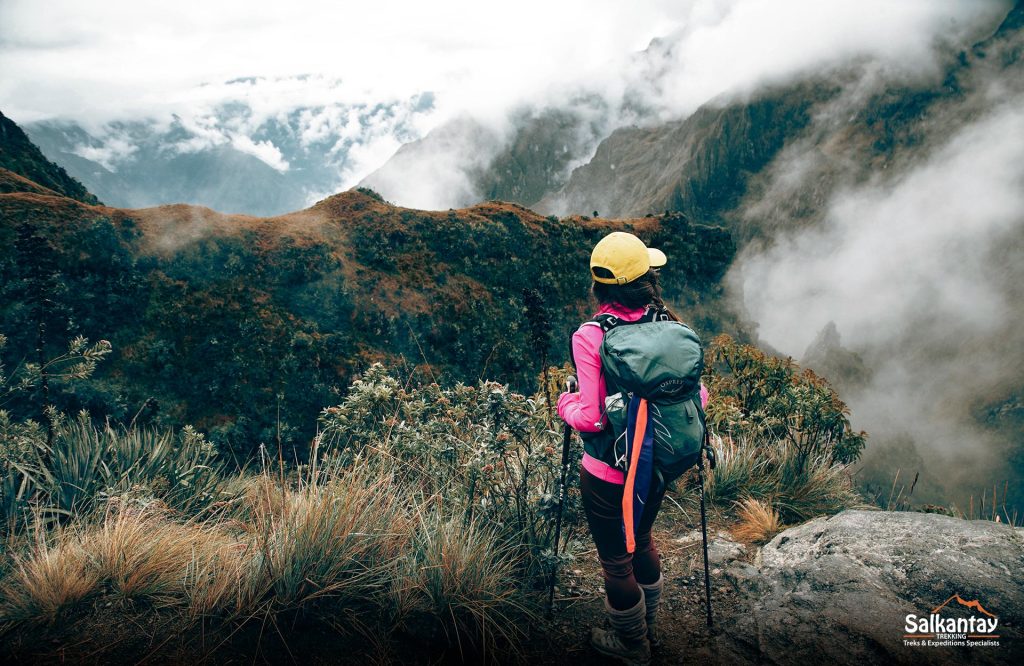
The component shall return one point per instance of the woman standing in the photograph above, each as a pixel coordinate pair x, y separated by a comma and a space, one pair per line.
625, 274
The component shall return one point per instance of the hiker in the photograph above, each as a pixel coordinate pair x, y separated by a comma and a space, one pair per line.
625, 284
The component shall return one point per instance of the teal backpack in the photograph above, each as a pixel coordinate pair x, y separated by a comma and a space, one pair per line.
660, 360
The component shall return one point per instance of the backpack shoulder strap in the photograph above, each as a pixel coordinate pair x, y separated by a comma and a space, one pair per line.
592, 322
609, 321
606, 321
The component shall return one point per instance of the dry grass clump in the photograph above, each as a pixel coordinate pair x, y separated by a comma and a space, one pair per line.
334, 539
54, 575
142, 553
758, 521
129, 552
464, 578
227, 580
799, 487
349, 540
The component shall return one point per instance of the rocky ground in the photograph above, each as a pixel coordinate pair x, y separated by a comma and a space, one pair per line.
838, 589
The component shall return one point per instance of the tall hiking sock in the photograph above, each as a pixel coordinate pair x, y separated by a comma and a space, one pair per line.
652, 597
627, 639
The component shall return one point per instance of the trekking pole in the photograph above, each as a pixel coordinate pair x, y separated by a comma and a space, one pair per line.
705, 449
570, 384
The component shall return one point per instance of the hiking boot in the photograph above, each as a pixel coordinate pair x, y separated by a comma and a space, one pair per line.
627, 638
652, 596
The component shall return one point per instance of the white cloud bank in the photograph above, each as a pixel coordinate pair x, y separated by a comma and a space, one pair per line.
100, 60
921, 276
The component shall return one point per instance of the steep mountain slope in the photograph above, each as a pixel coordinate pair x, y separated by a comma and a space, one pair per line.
896, 218
215, 176
824, 131
540, 156
465, 161
696, 165
20, 156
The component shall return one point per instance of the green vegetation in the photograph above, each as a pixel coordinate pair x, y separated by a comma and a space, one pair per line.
424, 516
483, 449
247, 328
765, 397
784, 437
416, 513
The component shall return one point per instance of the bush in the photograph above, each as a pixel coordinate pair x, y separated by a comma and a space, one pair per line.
485, 449
758, 396
87, 464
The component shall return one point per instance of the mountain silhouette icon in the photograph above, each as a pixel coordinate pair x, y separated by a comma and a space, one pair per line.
973, 604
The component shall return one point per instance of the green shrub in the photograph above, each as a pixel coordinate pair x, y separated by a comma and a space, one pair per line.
484, 448
757, 395
88, 464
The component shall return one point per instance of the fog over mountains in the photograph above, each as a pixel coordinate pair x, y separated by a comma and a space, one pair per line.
868, 158
236, 156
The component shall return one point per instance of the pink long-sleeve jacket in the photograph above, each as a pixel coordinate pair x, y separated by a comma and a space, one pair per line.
584, 410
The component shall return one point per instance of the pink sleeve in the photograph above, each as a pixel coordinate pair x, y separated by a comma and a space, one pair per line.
584, 411
704, 395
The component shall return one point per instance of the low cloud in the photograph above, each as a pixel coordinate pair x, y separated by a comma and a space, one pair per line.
111, 152
439, 173
921, 275
123, 60
265, 151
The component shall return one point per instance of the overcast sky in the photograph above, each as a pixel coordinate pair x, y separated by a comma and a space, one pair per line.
102, 59
74, 57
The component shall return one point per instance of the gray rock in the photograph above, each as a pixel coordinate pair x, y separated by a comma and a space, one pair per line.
839, 589
721, 547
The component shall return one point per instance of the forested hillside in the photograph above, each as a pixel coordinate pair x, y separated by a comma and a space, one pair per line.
247, 327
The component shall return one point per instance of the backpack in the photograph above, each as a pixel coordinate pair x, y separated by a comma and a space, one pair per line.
658, 361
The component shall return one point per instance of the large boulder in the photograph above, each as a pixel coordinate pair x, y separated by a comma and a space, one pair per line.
840, 589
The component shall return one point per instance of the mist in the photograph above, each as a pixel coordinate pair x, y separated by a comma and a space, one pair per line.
118, 62
921, 274
715, 53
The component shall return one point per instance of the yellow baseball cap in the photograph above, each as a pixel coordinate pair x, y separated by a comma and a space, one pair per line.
621, 257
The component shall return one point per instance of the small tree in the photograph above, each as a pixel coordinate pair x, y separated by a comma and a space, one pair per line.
539, 327
38, 257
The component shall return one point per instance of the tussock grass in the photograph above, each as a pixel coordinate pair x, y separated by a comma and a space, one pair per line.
129, 553
463, 577
346, 542
54, 575
140, 553
758, 521
334, 539
799, 486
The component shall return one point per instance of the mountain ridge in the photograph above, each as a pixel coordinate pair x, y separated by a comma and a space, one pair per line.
216, 315
20, 156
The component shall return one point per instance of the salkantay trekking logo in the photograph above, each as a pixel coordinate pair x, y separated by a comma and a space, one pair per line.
933, 630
